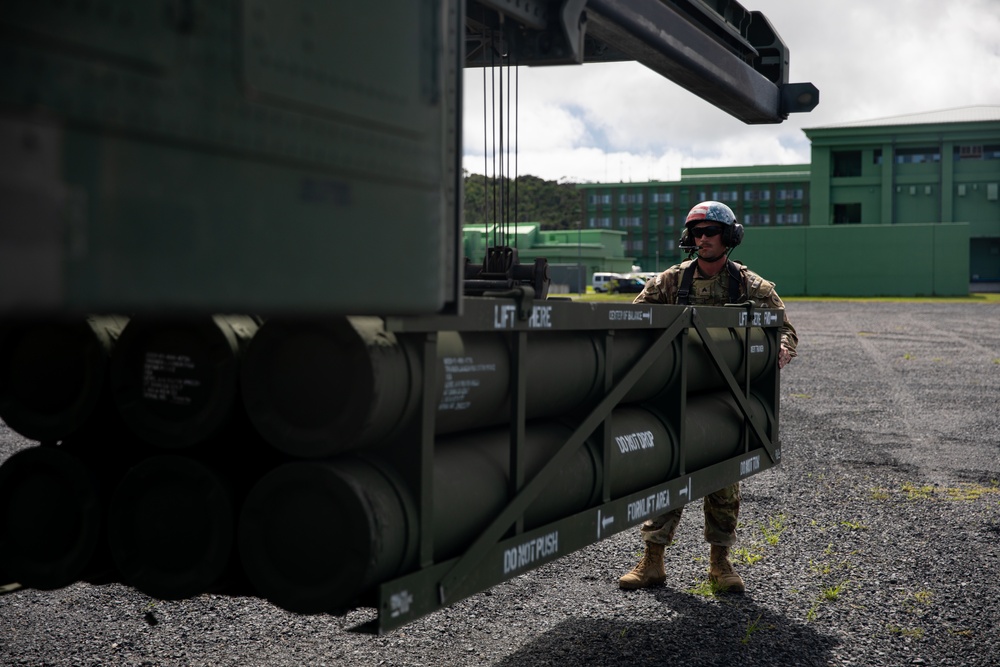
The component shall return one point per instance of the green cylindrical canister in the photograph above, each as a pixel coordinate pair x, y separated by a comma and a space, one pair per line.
471, 473
643, 450
176, 383
51, 518
713, 428
172, 527
53, 375
703, 375
315, 535
315, 388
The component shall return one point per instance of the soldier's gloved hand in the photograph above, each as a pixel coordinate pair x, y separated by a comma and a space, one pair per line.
784, 356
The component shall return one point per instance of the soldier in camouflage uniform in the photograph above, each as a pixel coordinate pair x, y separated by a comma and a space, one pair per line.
711, 231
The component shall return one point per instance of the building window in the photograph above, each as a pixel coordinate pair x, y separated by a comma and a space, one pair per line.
630, 198
754, 219
788, 219
662, 197
635, 221
877, 156
756, 195
917, 155
726, 195
846, 214
782, 195
977, 152
668, 222
846, 163
968, 152
599, 199
599, 223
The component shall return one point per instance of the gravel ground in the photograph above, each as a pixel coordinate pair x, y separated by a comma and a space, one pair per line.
874, 543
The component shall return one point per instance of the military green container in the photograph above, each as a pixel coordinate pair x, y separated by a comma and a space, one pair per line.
229, 157
314, 389
315, 535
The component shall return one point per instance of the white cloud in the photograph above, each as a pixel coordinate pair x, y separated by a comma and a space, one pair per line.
621, 122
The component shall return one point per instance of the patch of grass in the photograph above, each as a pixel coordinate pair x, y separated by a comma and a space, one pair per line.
744, 555
973, 297
854, 525
970, 492
752, 627
820, 569
915, 633
914, 492
907, 356
805, 396
705, 588
967, 492
832, 593
880, 494
772, 531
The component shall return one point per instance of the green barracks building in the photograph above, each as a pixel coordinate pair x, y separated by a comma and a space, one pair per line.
907, 205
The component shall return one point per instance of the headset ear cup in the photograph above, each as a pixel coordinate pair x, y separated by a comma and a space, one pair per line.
735, 233
686, 237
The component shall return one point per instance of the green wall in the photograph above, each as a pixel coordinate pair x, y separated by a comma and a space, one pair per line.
861, 260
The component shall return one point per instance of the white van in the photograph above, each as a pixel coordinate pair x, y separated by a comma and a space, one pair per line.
601, 279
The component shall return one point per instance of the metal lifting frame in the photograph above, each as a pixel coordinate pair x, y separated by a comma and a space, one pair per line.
739, 65
436, 585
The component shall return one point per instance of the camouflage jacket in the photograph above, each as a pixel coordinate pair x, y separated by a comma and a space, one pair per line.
714, 291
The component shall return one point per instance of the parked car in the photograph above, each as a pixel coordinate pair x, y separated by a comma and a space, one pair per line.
602, 279
626, 285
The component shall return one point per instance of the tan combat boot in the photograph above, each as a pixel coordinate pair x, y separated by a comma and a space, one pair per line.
649, 571
721, 572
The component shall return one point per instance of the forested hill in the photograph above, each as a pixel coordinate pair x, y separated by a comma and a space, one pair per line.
555, 205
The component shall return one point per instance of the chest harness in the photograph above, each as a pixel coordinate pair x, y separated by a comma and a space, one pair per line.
684, 290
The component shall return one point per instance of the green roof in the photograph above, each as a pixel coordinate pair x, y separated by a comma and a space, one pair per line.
976, 114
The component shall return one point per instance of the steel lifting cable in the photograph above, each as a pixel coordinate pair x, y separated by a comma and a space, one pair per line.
517, 79
486, 169
498, 180
493, 130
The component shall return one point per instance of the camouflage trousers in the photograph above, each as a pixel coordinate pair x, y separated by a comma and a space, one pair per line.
722, 509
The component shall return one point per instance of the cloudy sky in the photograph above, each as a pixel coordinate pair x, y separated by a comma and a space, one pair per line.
869, 58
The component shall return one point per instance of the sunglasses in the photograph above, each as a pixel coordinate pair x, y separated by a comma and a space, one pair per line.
706, 231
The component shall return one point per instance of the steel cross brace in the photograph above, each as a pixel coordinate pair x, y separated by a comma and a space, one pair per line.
734, 388
525, 496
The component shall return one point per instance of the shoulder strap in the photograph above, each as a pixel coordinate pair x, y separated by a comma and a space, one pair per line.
735, 281
684, 291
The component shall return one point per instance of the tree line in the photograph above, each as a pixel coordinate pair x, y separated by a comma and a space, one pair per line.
525, 199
